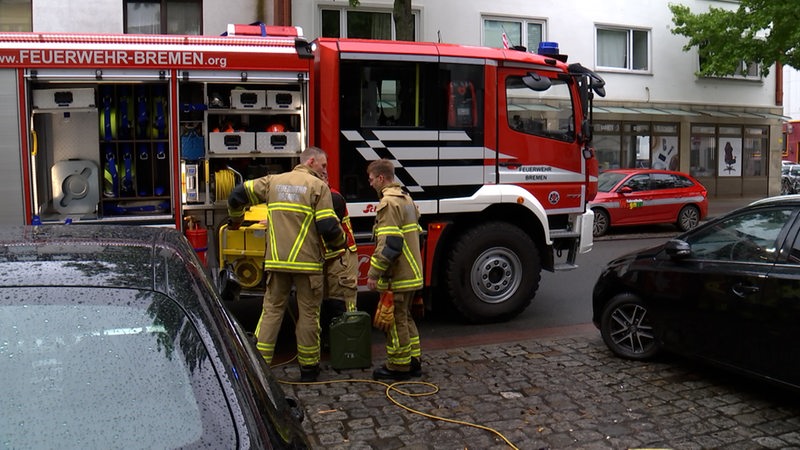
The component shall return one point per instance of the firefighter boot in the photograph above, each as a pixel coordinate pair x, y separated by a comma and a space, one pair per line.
416, 367
384, 373
309, 374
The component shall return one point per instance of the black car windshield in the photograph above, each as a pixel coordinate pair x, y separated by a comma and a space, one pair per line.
607, 180
102, 368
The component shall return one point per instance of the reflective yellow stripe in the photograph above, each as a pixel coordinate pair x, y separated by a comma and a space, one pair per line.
411, 260
301, 236
390, 230
293, 265
325, 213
308, 355
249, 189
272, 239
376, 263
294, 207
405, 284
330, 254
264, 347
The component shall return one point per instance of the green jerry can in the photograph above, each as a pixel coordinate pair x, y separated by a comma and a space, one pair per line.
351, 341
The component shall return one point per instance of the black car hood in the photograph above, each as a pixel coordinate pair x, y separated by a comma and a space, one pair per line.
636, 255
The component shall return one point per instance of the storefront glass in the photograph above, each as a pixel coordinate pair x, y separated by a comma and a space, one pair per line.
637, 145
702, 153
754, 152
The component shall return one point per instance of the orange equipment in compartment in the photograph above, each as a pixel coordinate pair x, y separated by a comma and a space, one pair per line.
198, 237
462, 105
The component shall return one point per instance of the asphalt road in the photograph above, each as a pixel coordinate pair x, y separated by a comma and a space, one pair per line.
562, 304
564, 299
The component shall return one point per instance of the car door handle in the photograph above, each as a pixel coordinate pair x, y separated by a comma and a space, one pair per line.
740, 290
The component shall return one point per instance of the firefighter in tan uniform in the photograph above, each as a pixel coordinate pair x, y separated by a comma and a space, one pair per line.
396, 265
301, 218
341, 271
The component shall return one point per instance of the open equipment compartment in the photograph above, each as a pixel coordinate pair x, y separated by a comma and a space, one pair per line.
100, 150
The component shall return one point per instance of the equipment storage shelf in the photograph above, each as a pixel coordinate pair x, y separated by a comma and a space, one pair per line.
246, 130
261, 120
107, 147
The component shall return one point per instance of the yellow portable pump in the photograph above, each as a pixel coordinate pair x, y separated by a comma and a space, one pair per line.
243, 249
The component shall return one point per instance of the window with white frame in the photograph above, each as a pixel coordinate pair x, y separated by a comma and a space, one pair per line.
750, 71
519, 32
360, 23
164, 16
16, 15
623, 48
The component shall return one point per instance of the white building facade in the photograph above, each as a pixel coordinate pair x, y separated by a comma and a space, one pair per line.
657, 112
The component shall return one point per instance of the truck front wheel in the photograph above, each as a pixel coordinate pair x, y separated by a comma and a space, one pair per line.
493, 272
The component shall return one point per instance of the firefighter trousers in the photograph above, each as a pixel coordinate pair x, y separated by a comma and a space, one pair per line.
402, 339
308, 289
341, 279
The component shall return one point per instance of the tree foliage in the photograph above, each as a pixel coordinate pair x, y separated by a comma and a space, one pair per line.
758, 31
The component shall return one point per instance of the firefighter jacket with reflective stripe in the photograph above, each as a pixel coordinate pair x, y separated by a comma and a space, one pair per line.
300, 214
340, 207
396, 262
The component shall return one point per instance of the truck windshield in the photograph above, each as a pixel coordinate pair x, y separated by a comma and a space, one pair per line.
548, 113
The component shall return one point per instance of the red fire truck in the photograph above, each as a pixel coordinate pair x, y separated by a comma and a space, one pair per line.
492, 144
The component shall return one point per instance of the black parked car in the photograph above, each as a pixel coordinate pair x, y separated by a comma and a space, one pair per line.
114, 337
727, 292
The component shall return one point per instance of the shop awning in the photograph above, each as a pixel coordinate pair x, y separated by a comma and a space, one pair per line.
679, 112
685, 112
773, 116
640, 111
713, 113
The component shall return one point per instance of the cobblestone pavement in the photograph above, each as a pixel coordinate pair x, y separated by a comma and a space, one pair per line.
548, 393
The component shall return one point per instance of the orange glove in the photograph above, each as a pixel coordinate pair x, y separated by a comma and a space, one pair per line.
384, 313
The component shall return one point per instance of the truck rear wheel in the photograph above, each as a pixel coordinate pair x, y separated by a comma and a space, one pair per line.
493, 272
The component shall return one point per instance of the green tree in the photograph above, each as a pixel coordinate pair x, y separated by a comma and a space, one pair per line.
758, 31
403, 19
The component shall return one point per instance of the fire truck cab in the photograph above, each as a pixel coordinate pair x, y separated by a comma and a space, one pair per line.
492, 144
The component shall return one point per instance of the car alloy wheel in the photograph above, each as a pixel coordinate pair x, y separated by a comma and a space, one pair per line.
627, 329
688, 218
602, 222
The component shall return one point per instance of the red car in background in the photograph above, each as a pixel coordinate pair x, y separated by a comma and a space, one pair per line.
647, 196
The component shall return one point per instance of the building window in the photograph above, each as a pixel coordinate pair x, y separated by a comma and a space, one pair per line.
703, 151
621, 145
748, 71
729, 151
164, 17
520, 32
743, 70
625, 49
342, 23
664, 147
607, 142
754, 151
16, 15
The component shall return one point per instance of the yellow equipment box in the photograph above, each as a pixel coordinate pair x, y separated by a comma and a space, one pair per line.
243, 249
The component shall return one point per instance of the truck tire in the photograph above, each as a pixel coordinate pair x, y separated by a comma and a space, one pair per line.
493, 272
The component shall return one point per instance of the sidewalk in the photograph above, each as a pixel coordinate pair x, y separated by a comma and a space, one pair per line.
546, 393
721, 205
560, 390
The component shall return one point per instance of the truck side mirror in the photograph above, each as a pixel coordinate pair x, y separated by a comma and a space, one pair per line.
536, 82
